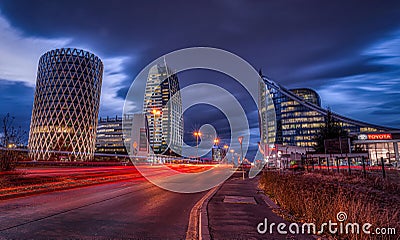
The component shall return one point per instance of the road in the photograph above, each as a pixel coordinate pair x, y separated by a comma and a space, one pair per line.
134, 209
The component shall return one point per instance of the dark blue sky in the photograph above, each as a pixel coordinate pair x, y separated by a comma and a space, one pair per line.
348, 51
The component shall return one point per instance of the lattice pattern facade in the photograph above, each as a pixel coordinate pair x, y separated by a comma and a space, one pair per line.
66, 105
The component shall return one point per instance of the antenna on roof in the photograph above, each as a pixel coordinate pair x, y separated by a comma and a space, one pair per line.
165, 64
260, 72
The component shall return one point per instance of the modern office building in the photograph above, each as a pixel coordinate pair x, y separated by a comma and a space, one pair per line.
267, 117
296, 124
66, 105
163, 108
299, 116
139, 145
110, 134
218, 153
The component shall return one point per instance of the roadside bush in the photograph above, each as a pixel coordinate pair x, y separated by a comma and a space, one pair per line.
7, 160
317, 198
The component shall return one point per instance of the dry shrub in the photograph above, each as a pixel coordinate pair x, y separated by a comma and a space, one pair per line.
317, 198
7, 160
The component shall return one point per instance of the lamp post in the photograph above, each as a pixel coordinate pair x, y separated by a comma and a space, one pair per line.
233, 156
216, 141
197, 135
240, 139
155, 113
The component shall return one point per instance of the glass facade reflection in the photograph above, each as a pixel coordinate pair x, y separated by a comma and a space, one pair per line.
162, 95
299, 116
297, 124
110, 135
388, 150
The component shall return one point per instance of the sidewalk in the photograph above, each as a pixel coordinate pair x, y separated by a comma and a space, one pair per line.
235, 211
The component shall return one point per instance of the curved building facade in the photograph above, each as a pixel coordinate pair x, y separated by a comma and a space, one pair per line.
297, 124
299, 116
162, 94
66, 105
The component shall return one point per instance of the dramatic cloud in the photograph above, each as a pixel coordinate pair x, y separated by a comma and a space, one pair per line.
373, 94
20, 54
113, 81
346, 50
18, 65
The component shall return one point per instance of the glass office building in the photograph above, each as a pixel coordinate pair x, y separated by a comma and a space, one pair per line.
299, 116
163, 109
297, 124
109, 137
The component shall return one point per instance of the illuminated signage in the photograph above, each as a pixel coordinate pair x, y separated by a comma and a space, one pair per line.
379, 136
362, 137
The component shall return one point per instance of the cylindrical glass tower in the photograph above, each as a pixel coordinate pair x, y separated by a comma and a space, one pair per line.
66, 106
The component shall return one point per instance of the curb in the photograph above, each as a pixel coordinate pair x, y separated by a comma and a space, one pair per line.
268, 200
273, 205
198, 221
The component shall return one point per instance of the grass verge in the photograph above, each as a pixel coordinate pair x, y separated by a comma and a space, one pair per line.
318, 197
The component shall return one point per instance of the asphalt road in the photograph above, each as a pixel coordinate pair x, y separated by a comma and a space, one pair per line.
134, 209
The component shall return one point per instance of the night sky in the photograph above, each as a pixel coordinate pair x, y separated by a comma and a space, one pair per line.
348, 51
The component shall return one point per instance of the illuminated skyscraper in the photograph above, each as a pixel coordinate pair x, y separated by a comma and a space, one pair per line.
163, 108
110, 138
66, 105
267, 118
299, 116
297, 124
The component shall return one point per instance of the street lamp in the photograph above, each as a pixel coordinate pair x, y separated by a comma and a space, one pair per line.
216, 141
197, 135
240, 139
155, 112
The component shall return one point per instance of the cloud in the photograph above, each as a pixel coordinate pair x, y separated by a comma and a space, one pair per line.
388, 50
113, 82
20, 54
372, 95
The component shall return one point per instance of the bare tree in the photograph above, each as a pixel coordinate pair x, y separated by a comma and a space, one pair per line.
11, 138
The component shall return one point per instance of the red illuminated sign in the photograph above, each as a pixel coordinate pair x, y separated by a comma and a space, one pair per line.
380, 136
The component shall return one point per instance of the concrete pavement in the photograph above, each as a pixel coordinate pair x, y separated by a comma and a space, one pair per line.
237, 208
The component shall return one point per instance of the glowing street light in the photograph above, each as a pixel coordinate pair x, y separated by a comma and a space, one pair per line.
197, 135
216, 141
